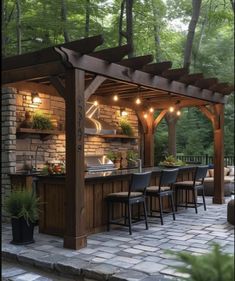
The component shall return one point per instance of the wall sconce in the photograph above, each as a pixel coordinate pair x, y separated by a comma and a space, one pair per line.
36, 100
123, 113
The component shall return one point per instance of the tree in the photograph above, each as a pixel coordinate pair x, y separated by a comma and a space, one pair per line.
64, 20
191, 31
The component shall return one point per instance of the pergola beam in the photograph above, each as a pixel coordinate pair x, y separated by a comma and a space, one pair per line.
93, 86
157, 68
115, 71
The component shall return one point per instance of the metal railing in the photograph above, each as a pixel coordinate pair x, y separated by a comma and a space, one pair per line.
205, 159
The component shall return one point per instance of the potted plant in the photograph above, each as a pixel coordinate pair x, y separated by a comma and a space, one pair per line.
126, 127
23, 207
115, 157
131, 158
41, 121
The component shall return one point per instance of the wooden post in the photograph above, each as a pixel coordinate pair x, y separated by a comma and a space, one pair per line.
75, 237
218, 154
217, 119
171, 123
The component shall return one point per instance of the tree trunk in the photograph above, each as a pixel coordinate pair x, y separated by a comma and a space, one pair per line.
191, 31
64, 20
87, 25
3, 29
120, 30
129, 25
156, 33
233, 5
18, 26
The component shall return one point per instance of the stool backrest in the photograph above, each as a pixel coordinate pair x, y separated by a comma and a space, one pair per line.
200, 173
139, 182
168, 177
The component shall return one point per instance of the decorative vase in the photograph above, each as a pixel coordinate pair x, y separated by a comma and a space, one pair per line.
27, 123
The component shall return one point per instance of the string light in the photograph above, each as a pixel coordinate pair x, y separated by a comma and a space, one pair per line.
145, 115
96, 103
178, 113
138, 101
171, 109
115, 98
151, 109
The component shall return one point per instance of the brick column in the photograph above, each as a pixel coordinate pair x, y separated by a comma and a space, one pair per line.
8, 144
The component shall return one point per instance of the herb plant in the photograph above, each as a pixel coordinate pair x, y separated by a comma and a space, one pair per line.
126, 127
41, 121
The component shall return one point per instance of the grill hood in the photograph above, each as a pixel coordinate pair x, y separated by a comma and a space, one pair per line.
95, 125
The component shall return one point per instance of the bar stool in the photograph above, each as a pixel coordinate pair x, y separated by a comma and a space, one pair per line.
166, 181
196, 184
135, 195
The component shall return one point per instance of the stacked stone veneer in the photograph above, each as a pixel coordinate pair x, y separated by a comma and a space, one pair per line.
49, 150
8, 144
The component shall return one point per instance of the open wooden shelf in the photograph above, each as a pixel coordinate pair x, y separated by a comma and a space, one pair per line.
118, 136
44, 134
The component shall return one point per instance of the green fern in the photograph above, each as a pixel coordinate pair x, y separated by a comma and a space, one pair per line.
41, 121
126, 127
214, 266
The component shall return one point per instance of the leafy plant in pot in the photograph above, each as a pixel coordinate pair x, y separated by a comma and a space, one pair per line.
131, 158
23, 207
115, 157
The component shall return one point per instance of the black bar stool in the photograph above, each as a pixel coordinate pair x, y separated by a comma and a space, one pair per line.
135, 195
196, 184
167, 179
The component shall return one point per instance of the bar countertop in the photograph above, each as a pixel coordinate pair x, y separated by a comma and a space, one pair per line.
107, 174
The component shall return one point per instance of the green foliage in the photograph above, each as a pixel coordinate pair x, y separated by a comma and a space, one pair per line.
214, 266
126, 127
40, 121
132, 155
172, 161
23, 203
113, 156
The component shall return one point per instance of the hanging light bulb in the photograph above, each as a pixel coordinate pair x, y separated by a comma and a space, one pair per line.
96, 103
178, 113
138, 101
115, 97
145, 115
151, 109
171, 109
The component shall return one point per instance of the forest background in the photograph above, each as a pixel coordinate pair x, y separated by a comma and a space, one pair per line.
157, 27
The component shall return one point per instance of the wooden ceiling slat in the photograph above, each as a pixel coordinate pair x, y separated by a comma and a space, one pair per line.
174, 74
115, 54
191, 78
157, 68
206, 83
136, 62
83, 46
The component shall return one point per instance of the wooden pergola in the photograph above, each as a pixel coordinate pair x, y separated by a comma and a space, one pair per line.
77, 72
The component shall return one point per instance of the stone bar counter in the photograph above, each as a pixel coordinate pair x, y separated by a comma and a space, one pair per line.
51, 190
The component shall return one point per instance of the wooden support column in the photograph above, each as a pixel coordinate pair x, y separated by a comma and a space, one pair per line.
171, 120
218, 154
149, 142
216, 116
75, 237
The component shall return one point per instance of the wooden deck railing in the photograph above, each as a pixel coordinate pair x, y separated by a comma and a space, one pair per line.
205, 159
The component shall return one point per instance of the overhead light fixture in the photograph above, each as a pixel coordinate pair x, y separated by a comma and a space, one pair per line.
96, 103
151, 109
115, 98
138, 101
36, 100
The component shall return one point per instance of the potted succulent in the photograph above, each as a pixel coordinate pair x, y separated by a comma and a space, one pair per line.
131, 158
23, 207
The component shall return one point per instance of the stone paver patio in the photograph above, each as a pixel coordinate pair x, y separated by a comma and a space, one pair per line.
116, 255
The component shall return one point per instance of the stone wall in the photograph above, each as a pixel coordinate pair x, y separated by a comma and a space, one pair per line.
8, 144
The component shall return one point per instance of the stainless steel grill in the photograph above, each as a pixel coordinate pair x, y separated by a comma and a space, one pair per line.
97, 163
